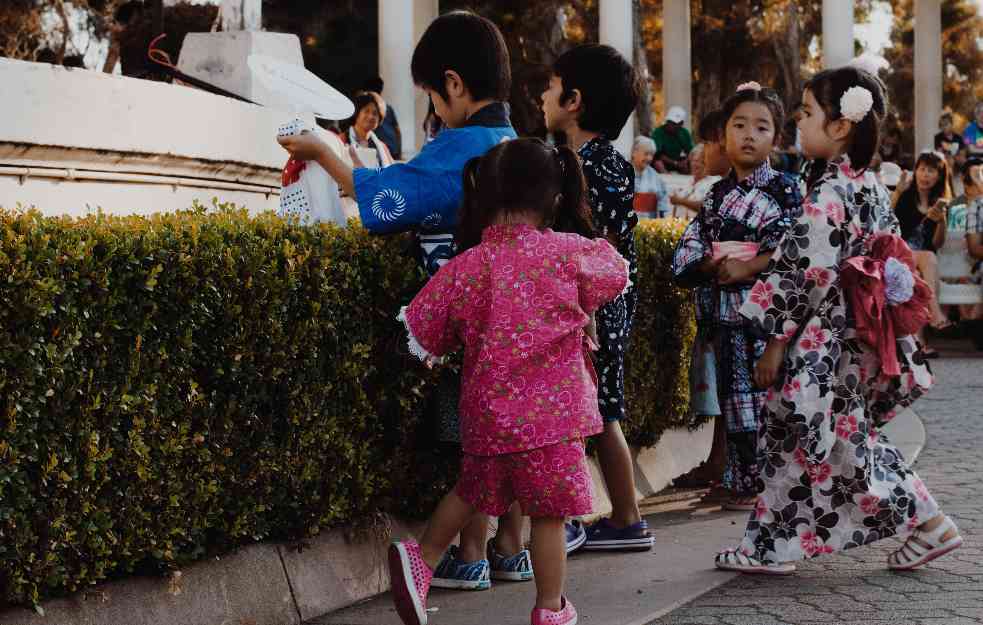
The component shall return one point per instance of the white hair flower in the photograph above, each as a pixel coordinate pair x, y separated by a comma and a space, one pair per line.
899, 282
856, 103
753, 86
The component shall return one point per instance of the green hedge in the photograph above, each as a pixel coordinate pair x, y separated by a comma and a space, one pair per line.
174, 386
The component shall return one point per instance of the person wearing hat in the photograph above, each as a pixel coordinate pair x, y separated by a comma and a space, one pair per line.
674, 142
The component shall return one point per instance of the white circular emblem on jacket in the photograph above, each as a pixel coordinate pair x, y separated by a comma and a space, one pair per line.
388, 205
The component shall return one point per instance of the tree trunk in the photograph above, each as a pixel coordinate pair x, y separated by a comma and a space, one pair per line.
66, 32
789, 57
643, 112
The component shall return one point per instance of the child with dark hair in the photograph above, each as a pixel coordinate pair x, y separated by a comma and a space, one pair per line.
591, 94
721, 253
838, 364
462, 63
518, 300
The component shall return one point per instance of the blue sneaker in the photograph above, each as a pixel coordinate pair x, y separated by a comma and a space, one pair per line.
576, 535
517, 568
455, 573
603, 536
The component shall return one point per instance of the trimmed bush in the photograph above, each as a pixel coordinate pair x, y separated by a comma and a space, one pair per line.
174, 386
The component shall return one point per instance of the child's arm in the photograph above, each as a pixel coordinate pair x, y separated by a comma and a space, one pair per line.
309, 147
733, 271
428, 318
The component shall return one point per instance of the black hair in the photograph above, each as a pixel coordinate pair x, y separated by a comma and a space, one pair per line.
711, 129
608, 86
767, 97
523, 175
375, 84
470, 45
361, 101
941, 190
828, 87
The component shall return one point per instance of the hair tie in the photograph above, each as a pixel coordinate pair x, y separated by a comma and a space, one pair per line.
855, 103
749, 86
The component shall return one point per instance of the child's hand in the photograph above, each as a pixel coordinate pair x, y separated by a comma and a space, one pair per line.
732, 271
305, 147
710, 266
770, 365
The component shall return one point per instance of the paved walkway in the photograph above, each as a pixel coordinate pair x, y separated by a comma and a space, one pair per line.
854, 587
659, 588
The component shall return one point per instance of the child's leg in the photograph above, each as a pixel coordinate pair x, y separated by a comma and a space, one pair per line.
508, 539
473, 538
450, 517
550, 557
619, 475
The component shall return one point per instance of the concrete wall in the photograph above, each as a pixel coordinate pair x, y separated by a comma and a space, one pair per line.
71, 138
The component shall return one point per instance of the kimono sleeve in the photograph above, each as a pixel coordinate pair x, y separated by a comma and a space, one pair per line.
428, 318
803, 269
692, 249
602, 275
778, 219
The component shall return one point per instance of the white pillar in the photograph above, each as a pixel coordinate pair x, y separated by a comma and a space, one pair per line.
837, 33
617, 31
928, 71
424, 12
242, 15
396, 29
677, 56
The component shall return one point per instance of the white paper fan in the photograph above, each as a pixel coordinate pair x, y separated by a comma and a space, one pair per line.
301, 88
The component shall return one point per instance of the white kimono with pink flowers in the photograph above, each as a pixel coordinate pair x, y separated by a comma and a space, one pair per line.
829, 479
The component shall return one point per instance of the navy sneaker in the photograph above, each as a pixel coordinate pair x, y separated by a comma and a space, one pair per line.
603, 536
457, 574
517, 568
575, 535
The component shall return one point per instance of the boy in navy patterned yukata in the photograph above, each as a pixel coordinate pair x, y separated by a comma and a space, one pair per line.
753, 204
592, 92
462, 63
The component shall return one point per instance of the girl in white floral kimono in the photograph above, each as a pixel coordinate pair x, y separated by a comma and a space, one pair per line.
829, 479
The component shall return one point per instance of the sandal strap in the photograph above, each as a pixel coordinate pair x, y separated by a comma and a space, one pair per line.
934, 537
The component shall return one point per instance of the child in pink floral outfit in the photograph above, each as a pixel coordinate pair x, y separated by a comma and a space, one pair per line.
519, 303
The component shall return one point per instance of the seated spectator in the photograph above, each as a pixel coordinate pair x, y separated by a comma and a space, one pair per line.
973, 133
359, 131
674, 142
651, 194
948, 141
974, 240
921, 204
891, 150
687, 203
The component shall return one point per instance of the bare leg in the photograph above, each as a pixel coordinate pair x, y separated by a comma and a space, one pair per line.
473, 538
928, 266
550, 557
508, 540
619, 475
450, 517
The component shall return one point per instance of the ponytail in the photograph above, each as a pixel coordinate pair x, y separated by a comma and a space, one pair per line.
471, 217
572, 212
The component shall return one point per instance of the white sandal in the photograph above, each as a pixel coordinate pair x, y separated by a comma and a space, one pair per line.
734, 560
923, 547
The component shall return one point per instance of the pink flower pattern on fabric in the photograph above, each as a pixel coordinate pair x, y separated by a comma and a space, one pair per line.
518, 303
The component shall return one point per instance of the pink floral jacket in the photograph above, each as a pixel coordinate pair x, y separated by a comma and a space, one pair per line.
518, 303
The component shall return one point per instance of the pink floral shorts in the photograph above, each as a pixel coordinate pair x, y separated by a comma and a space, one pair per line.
549, 482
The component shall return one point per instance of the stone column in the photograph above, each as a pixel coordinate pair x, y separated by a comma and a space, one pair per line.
242, 15
424, 12
677, 62
837, 33
617, 31
928, 71
396, 42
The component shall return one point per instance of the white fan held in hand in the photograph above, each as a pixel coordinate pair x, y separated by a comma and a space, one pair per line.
305, 92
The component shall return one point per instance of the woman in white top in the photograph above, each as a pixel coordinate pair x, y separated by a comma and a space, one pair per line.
687, 203
647, 180
359, 131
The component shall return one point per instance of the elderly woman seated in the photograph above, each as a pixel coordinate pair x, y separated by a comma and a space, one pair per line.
651, 194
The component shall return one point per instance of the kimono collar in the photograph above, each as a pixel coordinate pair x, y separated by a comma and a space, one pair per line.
841, 166
505, 232
592, 146
759, 178
494, 115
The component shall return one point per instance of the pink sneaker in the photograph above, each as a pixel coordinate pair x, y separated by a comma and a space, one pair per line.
566, 616
410, 577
